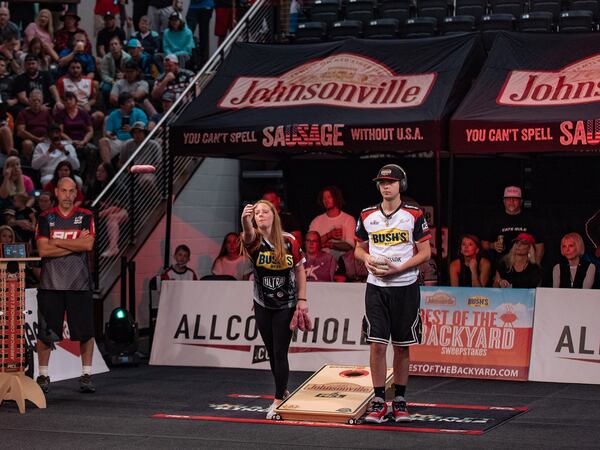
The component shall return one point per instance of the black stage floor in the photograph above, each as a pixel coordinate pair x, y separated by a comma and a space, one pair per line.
119, 414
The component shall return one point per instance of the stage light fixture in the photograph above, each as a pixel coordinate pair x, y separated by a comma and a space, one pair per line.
121, 338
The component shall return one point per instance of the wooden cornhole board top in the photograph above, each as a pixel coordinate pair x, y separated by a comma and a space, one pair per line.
332, 394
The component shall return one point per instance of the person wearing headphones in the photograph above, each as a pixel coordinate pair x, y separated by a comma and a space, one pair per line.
392, 241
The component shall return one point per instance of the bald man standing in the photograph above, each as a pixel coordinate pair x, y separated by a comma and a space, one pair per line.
65, 234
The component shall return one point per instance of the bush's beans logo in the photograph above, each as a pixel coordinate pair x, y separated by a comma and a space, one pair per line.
259, 354
392, 236
440, 299
268, 261
345, 80
574, 84
273, 282
478, 301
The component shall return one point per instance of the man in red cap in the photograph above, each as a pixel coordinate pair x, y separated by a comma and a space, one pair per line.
392, 241
503, 228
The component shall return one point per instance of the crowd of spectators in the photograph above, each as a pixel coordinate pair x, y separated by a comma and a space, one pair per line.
78, 102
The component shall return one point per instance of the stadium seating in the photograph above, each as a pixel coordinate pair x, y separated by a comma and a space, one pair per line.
363, 10
585, 5
433, 8
576, 22
492, 24
344, 29
514, 7
382, 29
395, 9
418, 27
326, 11
458, 24
552, 6
475, 8
535, 22
310, 32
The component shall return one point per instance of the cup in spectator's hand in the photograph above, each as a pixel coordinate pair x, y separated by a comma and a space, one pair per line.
337, 233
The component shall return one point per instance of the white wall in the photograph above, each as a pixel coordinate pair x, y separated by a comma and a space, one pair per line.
206, 210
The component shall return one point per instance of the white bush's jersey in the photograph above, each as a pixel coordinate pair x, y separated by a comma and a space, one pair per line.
393, 237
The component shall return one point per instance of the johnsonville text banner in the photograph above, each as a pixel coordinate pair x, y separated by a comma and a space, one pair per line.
475, 333
348, 97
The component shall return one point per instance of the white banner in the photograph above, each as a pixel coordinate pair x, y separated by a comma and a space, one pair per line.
65, 360
211, 323
566, 336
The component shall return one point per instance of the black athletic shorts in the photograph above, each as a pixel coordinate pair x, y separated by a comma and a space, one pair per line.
393, 312
52, 306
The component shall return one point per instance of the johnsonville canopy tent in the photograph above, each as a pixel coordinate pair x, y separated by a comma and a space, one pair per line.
352, 97
535, 93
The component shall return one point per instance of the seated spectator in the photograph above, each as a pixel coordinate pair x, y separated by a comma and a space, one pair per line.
66, 35
144, 61
138, 133
179, 270
34, 78
335, 227
84, 88
21, 218
78, 51
150, 39
33, 123
65, 169
174, 80
470, 269
106, 34
319, 266
230, 261
518, 268
13, 182
7, 83
110, 214
118, 127
167, 100
103, 7
9, 50
42, 29
112, 65
50, 152
289, 222
350, 269
44, 202
45, 56
133, 84
159, 12
7, 235
178, 39
573, 271
8, 29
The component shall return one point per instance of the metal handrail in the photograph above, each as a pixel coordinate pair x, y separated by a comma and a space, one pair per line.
137, 201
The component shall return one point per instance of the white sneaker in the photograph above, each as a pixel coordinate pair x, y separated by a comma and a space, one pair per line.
271, 411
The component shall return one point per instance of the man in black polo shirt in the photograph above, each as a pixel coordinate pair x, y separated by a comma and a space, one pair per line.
64, 236
109, 31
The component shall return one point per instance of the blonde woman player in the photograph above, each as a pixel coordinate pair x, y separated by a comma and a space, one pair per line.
279, 287
392, 241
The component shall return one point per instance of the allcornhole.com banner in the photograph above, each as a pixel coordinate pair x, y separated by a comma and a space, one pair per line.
475, 333
347, 97
535, 93
211, 323
566, 337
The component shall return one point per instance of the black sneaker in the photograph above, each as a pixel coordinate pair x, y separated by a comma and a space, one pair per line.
44, 383
86, 385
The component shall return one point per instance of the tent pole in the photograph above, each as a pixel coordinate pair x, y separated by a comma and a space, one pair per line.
438, 212
449, 211
169, 213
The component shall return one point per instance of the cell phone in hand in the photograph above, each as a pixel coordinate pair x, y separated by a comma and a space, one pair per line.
125, 121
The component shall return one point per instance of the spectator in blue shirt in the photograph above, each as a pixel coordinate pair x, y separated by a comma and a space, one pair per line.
118, 127
178, 39
77, 51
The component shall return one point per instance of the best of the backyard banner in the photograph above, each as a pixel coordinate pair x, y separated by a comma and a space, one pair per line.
475, 333
472, 333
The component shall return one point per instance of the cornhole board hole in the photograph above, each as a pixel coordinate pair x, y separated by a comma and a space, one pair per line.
334, 394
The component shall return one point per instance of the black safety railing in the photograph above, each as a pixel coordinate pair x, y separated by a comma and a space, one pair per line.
132, 204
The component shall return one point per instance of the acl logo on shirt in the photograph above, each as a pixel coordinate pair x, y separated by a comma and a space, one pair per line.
267, 260
64, 234
389, 237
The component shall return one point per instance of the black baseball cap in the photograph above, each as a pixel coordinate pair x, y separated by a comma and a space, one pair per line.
390, 172
72, 14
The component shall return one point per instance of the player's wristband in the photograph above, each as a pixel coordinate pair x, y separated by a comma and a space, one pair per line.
303, 299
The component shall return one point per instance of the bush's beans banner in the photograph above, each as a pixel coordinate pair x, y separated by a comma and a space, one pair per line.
336, 98
566, 337
535, 93
469, 332
475, 333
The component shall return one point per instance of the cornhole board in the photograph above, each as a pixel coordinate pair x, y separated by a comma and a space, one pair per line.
334, 394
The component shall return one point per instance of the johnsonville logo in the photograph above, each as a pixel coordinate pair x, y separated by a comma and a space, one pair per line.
574, 84
345, 80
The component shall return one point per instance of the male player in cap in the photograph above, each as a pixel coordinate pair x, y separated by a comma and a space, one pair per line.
392, 240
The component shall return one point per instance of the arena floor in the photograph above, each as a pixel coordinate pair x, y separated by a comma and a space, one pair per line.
119, 415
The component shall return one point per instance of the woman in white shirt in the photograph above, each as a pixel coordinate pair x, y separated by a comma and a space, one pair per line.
572, 272
230, 261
